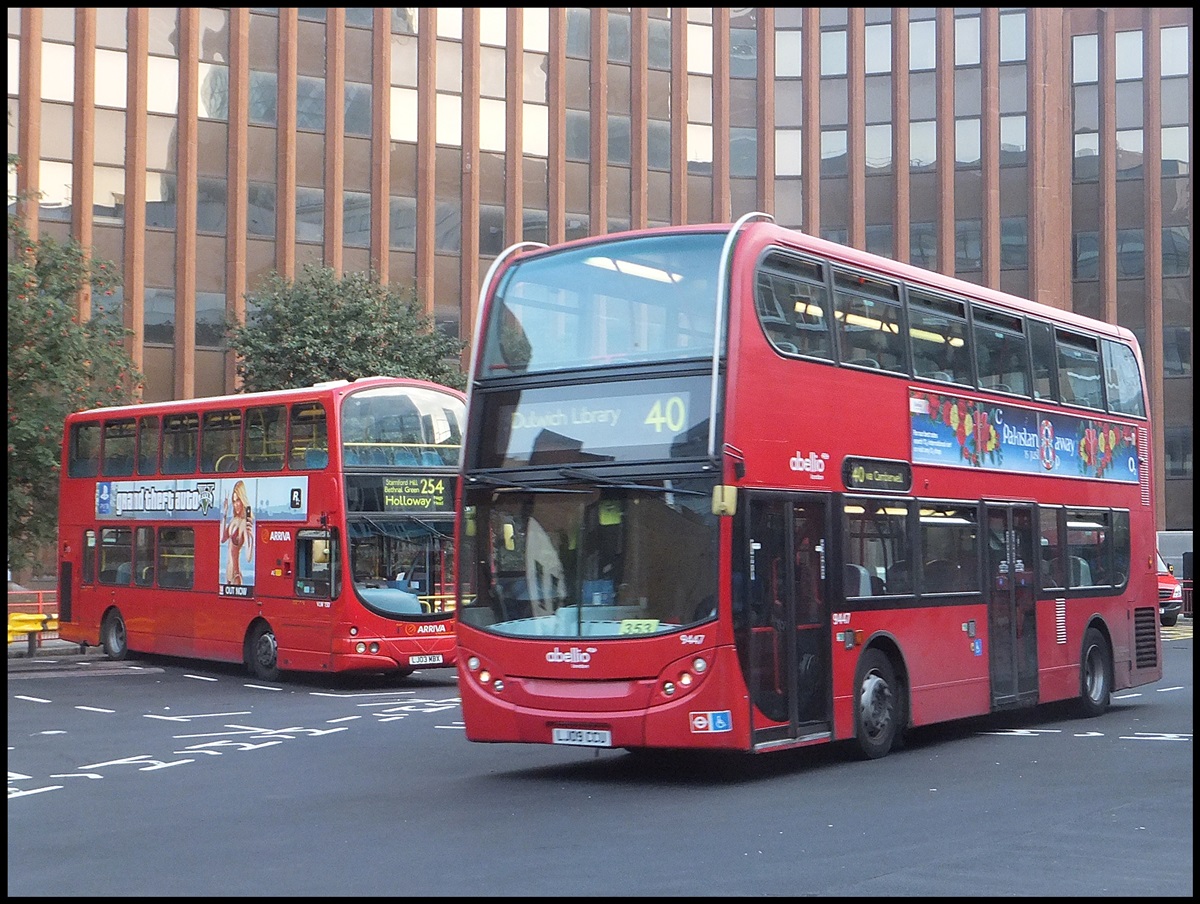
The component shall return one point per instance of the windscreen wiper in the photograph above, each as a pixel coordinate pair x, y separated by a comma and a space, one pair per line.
432, 528
502, 484
581, 474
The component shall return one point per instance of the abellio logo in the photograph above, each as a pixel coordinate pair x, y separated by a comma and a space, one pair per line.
573, 655
813, 463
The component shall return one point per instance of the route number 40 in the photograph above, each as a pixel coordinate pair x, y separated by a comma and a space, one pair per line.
670, 413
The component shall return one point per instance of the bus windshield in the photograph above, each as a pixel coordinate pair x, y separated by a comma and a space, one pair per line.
625, 301
394, 425
632, 559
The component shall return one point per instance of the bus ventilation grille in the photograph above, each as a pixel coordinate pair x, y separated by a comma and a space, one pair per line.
1143, 439
1145, 637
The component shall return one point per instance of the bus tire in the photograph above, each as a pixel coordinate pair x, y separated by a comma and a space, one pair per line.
1095, 674
402, 673
262, 653
113, 636
877, 705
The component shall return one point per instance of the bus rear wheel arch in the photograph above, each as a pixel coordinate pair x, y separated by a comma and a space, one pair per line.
1095, 673
113, 635
879, 704
262, 652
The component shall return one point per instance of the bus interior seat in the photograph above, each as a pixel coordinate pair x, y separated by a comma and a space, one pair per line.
179, 464
316, 458
118, 466
429, 457
899, 577
941, 576
865, 362
124, 573
857, 580
1081, 572
405, 457
1049, 569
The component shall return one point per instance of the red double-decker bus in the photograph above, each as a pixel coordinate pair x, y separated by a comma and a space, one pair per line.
733, 486
302, 530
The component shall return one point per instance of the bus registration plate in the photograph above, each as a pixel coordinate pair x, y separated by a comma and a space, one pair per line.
583, 737
433, 659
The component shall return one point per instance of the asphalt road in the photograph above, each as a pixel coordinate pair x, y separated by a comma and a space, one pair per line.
172, 777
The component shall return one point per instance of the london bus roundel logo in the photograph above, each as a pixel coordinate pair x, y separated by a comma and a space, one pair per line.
1046, 444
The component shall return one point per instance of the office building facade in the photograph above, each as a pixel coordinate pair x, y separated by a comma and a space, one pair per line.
1045, 152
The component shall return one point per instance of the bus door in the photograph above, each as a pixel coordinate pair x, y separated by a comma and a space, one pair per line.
787, 660
1012, 604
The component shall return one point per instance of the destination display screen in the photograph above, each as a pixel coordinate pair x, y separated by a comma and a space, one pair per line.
411, 493
632, 420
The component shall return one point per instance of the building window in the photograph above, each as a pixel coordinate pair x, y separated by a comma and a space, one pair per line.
159, 314
1178, 452
210, 320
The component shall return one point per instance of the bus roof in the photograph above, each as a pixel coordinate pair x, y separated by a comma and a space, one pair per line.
335, 387
766, 232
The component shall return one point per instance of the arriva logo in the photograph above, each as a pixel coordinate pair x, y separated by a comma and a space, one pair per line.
812, 463
280, 535
431, 629
573, 655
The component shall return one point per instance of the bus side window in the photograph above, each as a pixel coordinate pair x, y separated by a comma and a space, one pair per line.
316, 564
83, 450
265, 438
87, 572
147, 445
308, 431
116, 555
181, 433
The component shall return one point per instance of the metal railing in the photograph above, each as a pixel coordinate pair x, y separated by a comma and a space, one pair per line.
32, 614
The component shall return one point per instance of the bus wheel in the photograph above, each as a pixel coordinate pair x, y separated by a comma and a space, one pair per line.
1095, 674
262, 653
113, 636
402, 673
876, 705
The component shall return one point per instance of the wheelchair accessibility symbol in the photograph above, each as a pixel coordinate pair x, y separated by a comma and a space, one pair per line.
709, 722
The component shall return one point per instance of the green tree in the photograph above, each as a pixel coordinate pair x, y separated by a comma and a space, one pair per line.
56, 365
319, 327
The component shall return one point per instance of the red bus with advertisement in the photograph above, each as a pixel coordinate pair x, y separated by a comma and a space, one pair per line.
735, 487
302, 530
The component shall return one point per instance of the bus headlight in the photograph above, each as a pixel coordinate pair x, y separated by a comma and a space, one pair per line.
374, 648
682, 677
473, 663
360, 647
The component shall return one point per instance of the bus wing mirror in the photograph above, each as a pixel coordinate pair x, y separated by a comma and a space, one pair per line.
724, 500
